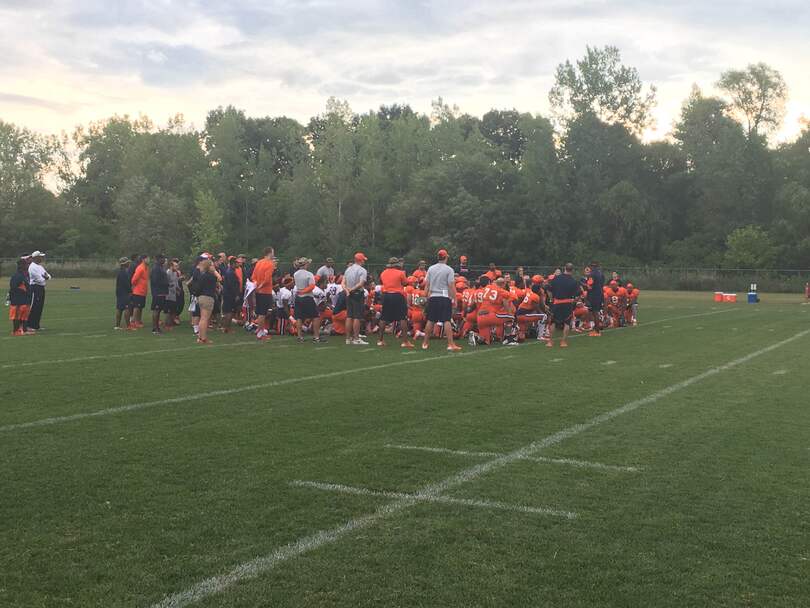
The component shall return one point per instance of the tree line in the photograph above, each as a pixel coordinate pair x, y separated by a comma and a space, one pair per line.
508, 187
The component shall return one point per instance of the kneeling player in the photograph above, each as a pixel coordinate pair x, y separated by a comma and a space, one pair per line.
495, 311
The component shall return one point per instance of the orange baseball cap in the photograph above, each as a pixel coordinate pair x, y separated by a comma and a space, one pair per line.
443, 253
463, 258
360, 257
537, 279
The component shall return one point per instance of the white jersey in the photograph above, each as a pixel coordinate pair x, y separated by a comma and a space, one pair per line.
283, 297
319, 295
332, 291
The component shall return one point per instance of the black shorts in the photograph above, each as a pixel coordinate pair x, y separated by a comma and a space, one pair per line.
394, 307
305, 308
264, 302
137, 301
439, 309
562, 314
356, 305
170, 307
122, 302
158, 303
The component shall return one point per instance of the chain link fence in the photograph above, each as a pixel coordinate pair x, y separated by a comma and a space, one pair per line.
645, 277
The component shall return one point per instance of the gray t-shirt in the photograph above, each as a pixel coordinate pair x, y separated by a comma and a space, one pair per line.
440, 278
303, 279
325, 271
355, 274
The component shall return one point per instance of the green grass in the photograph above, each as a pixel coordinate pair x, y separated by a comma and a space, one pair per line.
128, 508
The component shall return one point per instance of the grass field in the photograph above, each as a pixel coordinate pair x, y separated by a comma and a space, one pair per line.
661, 465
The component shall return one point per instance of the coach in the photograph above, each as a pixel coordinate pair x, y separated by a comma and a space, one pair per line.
38, 277
440, 287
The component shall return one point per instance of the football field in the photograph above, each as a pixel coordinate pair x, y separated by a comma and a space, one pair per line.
659, 465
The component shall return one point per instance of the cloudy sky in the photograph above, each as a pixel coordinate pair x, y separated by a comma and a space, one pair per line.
68, 62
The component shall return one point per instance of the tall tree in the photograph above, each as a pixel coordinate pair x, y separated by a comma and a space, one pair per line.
758, 95
600, 84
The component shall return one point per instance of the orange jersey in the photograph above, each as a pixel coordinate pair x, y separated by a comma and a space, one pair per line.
414, 297
493, 299
632, 296
419, 274
468, 298
531, 301
263, 276
140, 280
393, 280
617, 297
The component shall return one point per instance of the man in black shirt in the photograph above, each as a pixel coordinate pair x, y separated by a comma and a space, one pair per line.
595, 282
564, 291
159, 286
123, 293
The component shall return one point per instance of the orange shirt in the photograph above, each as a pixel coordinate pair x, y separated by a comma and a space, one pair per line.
617, 297
140, 280
468, 298
632, 296
263, 276
531, 301
411, 293
393, 280
419, 273
493, 299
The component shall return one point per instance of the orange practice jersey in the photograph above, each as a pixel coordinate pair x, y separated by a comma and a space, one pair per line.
493, 299
393, 280
140, 280
263, 276
531, 301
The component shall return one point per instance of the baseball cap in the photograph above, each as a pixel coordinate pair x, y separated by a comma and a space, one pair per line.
330, 261
38, 254
537, 279
443, 253
463, 258
393, 261
360, 257
123, 260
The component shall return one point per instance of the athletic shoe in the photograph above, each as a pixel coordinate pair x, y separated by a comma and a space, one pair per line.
563, 344
408, 344
300, 340
595, 334
116, 328
550, 344
18, 332
362, 336
424, 345
359, 342
29, 332
157, 332
419, 334
511, 343
454, 348
471, 339
380, 343
348, 341
207, 342
319, 340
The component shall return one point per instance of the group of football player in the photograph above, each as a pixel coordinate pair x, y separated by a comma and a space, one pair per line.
493, 306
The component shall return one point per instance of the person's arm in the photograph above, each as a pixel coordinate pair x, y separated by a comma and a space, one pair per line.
451, 292
309, 288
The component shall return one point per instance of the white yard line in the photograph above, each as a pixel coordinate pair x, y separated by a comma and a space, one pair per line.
567, 461
665, 365
609, 362
260, 565
448, 500
780, 372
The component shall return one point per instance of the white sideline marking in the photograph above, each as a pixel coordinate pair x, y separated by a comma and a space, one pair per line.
509, 357
409, 352
609, 362
665, 365
260, 565
780, 372
485, 504
131, 354
557, 360
586, 464
367, 350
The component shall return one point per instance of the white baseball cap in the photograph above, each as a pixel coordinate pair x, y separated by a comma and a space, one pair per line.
38, 254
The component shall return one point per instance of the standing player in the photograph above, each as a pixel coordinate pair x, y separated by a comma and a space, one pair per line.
305, 308
564, 291
354, 280
394, 304
140, 286
19, 297
263, 278
595, 298
159, 284
441, 289
123, 293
